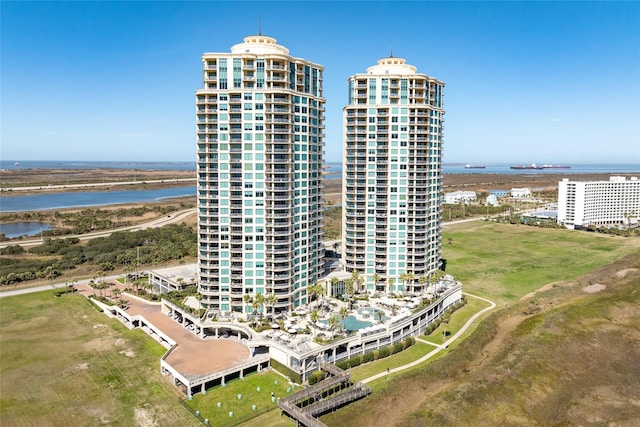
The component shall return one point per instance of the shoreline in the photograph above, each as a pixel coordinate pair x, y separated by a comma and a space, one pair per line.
28, 182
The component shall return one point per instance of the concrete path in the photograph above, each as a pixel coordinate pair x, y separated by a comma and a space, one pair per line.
438, 348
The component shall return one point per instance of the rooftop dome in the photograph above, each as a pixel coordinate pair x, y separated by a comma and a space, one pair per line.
392, 65
260, 45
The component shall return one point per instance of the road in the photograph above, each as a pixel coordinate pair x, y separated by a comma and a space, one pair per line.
95, 184
158, 222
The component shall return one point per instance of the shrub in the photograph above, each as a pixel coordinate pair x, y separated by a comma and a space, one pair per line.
315, 377
409, 342
12, 250
367, 357
355, 361
397, 347
343, 364
383, 352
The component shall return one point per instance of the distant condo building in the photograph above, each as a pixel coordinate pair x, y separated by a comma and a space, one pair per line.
392, 176
599, 203
260, 124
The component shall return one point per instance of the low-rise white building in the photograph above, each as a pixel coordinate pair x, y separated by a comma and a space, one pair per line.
459, 196
520, 193
599, 203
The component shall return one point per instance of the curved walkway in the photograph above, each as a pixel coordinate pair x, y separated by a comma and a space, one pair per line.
438, 348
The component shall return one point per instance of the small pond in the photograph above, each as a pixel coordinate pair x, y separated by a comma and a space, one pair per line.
17, 229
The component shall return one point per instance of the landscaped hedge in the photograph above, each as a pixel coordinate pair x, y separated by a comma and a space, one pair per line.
293, 376
355, 361
343, 364
315, 377
383, 352
367, 357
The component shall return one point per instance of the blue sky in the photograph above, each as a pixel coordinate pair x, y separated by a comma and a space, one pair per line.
525, 81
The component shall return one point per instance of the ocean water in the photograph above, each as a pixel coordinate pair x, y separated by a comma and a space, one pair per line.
335, 169
331, 168
74, 199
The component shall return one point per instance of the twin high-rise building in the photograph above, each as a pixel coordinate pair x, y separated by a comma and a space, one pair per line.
260, 130
392, 176
260, 118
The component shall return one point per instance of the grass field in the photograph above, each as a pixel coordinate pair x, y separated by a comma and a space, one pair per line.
504, 262
566, 355
64, 363
255, 389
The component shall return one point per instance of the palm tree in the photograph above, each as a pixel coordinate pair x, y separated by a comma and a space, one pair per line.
391, 281
344, 313
423, 281
333, 323
357, 280
255, 304
259, 303
376, 279
349, 288
321, 290
314, 316
446, 317
410, 278
435, 278
312, 290
272, 300
199, 298
403, 277
246, 298
116, 294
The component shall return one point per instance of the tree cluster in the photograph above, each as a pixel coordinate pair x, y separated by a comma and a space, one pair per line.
122, 251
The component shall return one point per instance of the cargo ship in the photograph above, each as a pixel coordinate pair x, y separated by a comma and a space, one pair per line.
470, 166
534, 166
556, 167
531, 166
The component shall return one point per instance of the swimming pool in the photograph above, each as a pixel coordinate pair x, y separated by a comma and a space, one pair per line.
351, 323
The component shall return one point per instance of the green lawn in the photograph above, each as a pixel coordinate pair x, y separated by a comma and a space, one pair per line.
64, 363
242, 409
458, 319
366, 370
419, 349
503, 262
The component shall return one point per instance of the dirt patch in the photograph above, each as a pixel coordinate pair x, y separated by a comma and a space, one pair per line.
623, 273
143, 417
128, 353
595, 288
504, 329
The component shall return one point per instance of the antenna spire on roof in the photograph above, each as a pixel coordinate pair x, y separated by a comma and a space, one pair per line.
391, 48
259, 25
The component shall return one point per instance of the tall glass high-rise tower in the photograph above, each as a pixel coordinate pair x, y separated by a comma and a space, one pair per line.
260, 116
392, 176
